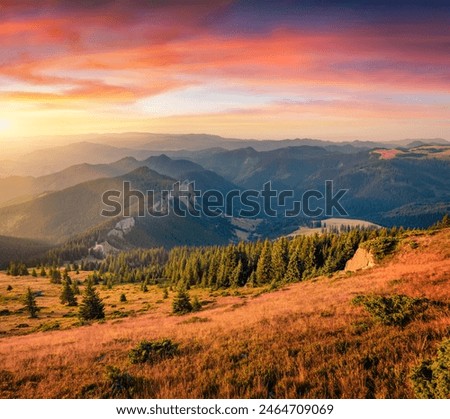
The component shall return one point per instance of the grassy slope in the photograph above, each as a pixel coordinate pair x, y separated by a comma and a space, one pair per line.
305, 340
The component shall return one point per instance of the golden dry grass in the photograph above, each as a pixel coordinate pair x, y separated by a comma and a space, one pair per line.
305, 340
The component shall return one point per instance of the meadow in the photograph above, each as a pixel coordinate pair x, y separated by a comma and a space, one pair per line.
301, 340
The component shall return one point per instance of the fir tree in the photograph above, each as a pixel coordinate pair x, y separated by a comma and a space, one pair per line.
236, 275
293, 271
279, 259
55, 276
252, 280
75, 289
91, 308
67, 295
30, 303
182, 302
264, 268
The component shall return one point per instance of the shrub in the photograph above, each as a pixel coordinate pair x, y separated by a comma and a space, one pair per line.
395, 310
431, 378
196, 304
153, 351
123, 298
120, 383
381, 246
48, 327
9, 288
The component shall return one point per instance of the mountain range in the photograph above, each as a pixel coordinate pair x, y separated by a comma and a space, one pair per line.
407, 185
107, 148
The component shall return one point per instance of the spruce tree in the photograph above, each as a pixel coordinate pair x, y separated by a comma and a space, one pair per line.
293, 271
236, 275
264, 268
55, 276
75, 289
67, 295
30, 303
91, 307
279, 259
23, 271
182, 302
252, 280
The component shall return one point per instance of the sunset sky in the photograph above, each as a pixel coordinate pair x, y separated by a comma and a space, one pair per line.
253, 69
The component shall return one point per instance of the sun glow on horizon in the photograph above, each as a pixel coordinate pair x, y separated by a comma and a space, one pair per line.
225, 69
5, 125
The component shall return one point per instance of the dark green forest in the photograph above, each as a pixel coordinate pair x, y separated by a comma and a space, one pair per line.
253, 264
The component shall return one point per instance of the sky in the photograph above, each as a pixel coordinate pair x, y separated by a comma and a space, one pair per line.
346, 70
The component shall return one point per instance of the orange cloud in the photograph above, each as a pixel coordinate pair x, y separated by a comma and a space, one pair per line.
72, 57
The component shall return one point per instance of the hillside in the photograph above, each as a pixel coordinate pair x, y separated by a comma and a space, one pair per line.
74, 212
45, 161
376, 185
16, 249
59, 215
17, 189
305, 340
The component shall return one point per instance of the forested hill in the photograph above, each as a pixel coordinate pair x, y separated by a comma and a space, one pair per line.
243, 264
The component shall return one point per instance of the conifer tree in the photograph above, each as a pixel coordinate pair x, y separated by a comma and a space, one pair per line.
236, 275
91, 307
182, 302
30, 303
293, 271
264, 268
280, 252
55, 276
252, 280
67, 295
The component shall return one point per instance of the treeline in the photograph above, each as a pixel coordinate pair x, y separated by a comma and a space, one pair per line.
137, 265
264, 262
237, 265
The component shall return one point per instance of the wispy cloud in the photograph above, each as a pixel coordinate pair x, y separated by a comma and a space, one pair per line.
113, 58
